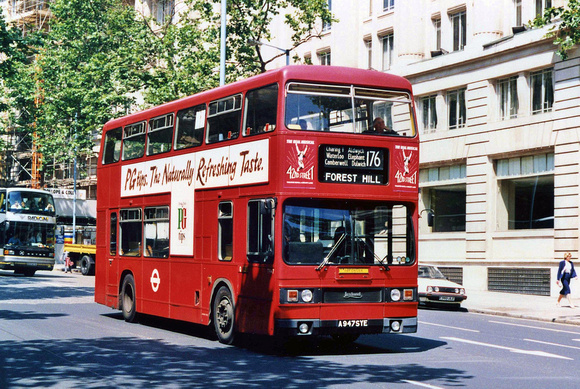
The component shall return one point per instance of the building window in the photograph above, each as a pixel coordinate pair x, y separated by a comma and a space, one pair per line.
388, 5
369, 49
518, 12
388, 43
164, 11
225, 231
445, 195
456, 107
429, 113
370, 7
437, 29
526, 192
327, 26
324, 58
541, 5
459, 23
508, 98
542, 91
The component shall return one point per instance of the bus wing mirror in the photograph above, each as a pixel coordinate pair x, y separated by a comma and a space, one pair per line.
430, 218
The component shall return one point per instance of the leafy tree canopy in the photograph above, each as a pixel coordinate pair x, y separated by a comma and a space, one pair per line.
566, 33
252, 20
92, 65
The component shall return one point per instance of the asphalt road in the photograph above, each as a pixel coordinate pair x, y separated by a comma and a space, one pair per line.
53, 335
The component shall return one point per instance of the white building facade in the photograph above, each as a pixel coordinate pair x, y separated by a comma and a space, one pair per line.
499, 117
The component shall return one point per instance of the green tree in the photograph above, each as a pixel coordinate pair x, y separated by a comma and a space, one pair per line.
566, 33
252, 20
187, 57
95, 59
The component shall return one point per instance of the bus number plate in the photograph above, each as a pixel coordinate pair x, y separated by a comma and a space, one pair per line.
352, 323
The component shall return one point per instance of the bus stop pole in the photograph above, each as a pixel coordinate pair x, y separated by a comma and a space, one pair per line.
223, 43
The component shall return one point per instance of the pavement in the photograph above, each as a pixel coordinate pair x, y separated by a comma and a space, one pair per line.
523, 306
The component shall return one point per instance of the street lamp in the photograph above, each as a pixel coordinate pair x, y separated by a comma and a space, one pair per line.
253, 42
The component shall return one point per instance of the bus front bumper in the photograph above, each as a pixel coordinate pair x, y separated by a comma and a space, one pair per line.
305, 327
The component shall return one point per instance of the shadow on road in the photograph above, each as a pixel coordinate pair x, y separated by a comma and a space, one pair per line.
134, 362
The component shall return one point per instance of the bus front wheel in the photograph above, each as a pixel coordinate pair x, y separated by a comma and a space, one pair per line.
128, 304
223, 315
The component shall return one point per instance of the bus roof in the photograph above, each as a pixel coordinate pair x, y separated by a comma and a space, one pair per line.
307, 73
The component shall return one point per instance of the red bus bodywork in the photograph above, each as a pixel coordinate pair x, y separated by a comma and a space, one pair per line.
188, 197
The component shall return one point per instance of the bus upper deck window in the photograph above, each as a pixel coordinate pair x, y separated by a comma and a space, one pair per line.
260, 111
134, 141
189, 126
112, 146
160, 134
224, 119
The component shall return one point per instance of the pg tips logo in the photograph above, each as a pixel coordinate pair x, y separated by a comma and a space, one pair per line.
181, 222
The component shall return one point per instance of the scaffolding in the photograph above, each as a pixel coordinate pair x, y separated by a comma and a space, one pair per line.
22, 162
29, 14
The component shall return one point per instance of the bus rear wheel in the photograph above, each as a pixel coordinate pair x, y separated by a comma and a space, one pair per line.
223, 315
128, 304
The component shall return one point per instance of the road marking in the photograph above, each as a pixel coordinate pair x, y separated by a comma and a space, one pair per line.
422, 384
576, 340
443, 325
537, 328
552, 344
510, 349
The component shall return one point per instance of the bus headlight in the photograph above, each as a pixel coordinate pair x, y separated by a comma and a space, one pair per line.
395, 294
306, 295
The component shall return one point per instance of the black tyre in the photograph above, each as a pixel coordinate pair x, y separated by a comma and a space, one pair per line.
128, 304
86, 266
29, 272
223, 315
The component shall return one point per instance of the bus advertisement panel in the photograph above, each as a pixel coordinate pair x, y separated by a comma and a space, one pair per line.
285, 204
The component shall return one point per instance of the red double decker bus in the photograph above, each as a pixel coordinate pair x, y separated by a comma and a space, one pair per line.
271, 205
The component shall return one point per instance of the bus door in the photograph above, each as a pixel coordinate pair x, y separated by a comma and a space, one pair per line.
111, 261
256, 290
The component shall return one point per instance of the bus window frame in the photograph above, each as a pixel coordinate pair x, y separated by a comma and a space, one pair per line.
118, 141
158, 130
268, 127
229, 135
355, 93
224, 217
141, 134
177, 133
265, 214
149, 251
131, 252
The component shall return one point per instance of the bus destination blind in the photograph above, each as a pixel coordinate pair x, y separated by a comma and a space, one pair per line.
352, 165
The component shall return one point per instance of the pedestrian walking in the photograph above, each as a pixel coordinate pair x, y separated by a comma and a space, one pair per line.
67, 264
566, 272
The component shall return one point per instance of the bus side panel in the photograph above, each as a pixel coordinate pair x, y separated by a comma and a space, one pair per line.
101, 262
154, 281
185, 293
255, 299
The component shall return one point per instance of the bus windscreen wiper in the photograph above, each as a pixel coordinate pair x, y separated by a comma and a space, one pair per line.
332, 251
